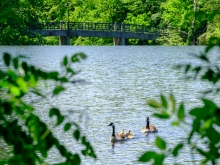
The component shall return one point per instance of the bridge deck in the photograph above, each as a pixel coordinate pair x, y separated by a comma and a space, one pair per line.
92, 29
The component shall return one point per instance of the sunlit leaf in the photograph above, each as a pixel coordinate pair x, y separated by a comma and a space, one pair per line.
15, 90
172, 103
154, 104
22, 84
161, 144
163, 115
175, 123
164, 101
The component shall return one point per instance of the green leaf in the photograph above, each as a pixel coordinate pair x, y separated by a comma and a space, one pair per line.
181, 112
147, 156
202, 152
176, 149
70, 70
25, 67
161, 144
187, 68
75, 58
175, 123
55, 111
158, 160
164, 101
53, 75
76, 160
15, 91
209, 104
7, 59
154, 104
67, 127
60, 119
172, 103
62, 150
82, 55
162, 115
76, 134
8, 108
15, 63
65, 61
196, 111
22, 84
58, 89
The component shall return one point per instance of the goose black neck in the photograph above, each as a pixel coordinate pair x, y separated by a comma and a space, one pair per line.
113, 130
148, 124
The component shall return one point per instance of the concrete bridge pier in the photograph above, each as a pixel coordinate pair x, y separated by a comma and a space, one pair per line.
64, 40
118, 40
67, 40
61, 40
122, 33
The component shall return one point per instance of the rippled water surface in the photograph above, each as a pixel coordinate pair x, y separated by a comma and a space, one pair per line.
119, 80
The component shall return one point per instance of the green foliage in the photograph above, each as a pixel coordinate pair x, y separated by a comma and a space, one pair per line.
16, 15
26, 135
187, 22
205, 118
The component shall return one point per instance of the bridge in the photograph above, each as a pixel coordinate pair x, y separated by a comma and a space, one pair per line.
118, 31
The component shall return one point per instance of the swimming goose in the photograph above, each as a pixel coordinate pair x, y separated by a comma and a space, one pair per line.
116, 137
122, 131
129, 134
148, 128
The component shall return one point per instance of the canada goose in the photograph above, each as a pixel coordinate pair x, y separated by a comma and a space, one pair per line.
129, 134
122, 131
116, 137
148, 128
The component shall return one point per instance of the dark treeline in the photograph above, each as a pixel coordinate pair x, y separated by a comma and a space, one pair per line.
189, 22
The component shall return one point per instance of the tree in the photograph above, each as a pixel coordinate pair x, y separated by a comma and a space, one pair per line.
28, 137
16, 15
189, 17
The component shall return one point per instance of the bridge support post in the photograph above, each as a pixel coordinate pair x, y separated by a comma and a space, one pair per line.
68, 34
61, 38
122, 33
67, 40
116, 40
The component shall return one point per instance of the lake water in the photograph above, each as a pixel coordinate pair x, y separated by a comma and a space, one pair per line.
120, 79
